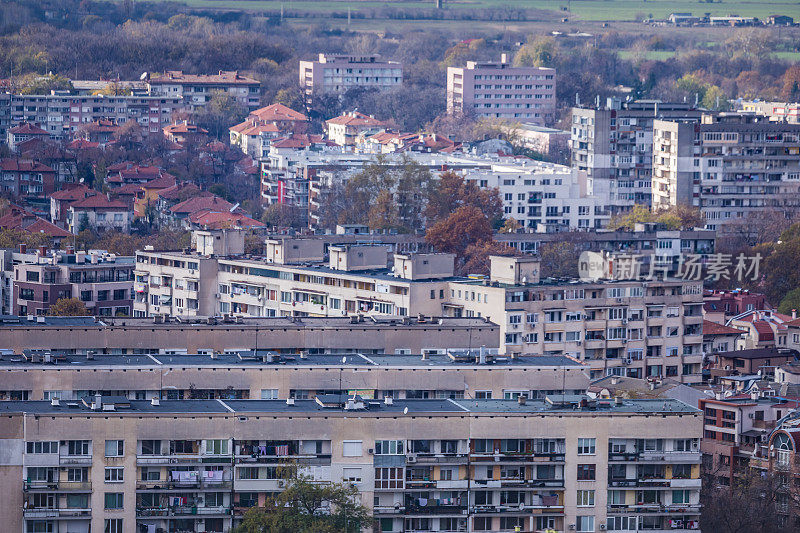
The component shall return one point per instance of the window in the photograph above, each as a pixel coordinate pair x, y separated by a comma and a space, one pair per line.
269, 394
389, 447
351, 448
151, 447
586, 446
389, 478
616, 497
113, 525
585, 523
217, 447
585, 498
351, 475
114, 474
114, 448
586, 472
113, 500
77, 447
680, 497
78, 475
42, 447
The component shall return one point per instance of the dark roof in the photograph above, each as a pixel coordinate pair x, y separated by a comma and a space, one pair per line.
758, 353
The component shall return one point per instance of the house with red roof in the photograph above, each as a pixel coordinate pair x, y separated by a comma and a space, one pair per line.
344, 129
61, 200
719, 338
99, 213
148, 195
179, 214
267, 123
181, 132
25, 131
24, 178
762, 329
20, 219
100, 131
208, 219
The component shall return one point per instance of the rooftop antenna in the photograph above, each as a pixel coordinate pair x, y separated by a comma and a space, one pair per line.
597, 101
696, 99
577, 100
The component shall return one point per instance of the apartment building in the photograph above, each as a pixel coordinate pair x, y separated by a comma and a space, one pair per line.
338, 73
634, 328
788, 112
777, 455
62, 115
499, 90
198, 89
614, 146
26, 179
565, 463
729, 166
100, 213
102, 281
263, 374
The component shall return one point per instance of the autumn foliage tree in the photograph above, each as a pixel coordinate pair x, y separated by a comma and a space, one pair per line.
451, 191
68, 307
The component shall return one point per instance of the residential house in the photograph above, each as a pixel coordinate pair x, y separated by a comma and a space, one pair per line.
24, 132
28, 180
61, 200
99, 213
344, 129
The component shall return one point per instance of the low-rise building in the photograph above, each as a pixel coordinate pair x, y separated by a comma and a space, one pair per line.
563, 463
27, 180
344, 129
102, 281
198, 89
100, 213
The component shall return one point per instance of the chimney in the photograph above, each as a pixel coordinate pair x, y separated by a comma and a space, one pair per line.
424, 356
617, 400
521, 399
482, 356
794, 314
504, 58
23, 248
98, 401
54, 402
42, 251
614, 380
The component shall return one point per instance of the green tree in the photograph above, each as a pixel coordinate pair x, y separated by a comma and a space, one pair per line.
281, 216
309, 507
291, 98
715, 99
383, 213
781, 275
220, 113
790, 302
538, 53
68, 307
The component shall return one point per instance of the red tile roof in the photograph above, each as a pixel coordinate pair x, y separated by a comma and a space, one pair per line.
48, 228
355, 118
11, 164
193, 205
164, 182
712, 328
21, 219
82, 144
184, 128
278, 112
182, 192
99, 201
223, 219
77, 192
27, 128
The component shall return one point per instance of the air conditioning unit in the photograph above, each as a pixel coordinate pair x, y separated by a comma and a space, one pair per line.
578, 343
411, 459
602, 527
624, 321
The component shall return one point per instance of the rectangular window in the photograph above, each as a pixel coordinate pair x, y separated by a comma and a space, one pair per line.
114, 474
585, 523
42, 447
586, 472
151, 447
351, 448
585, 498
680, 497
351, 475
113, 525
77, 447
217, 447
269, 394
586, 446
113, 500
114, 448
389, 447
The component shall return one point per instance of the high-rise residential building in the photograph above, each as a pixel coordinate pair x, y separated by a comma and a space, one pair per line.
775, 111
614, 146
565, 463
338, 73
499, 90
730, 166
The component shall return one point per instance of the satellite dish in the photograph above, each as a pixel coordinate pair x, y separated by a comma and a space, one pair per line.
344, 359
143, 76
405, 410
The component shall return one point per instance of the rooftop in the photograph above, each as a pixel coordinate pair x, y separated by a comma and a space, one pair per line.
373, 407
758, 353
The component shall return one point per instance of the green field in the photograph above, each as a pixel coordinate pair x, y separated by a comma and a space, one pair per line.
586, 10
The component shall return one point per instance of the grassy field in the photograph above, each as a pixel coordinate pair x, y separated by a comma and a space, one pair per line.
587, 10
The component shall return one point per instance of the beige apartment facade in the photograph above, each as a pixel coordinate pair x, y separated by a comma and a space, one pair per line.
271, 376
563, 464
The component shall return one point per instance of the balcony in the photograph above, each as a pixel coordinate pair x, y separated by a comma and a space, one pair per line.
147, 460
426, 510
453, 459
75, 460
182, 511
58, 513
685, 483
57, 486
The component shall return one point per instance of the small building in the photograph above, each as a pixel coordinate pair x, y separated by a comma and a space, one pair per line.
344, 129
100, 213
24, 132
780, 20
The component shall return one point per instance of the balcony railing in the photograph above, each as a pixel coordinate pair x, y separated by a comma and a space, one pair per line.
76, 486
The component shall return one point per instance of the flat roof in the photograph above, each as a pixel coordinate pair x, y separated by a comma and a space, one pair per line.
10, 321
374, 407
343, 360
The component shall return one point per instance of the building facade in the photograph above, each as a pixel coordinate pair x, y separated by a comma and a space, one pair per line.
566, 463
198, 89
499, 90
338, 73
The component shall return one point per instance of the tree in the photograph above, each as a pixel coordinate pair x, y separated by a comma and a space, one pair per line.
476, 257
281, 216
465, 226
292, 98
673, 217
781, 274
220, 113
68, 307
383, 214
790, 302
538, 53
309, 507
452, 191
559, 259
